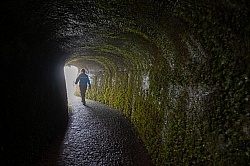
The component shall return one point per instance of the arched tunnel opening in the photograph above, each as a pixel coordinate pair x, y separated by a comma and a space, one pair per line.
178, 70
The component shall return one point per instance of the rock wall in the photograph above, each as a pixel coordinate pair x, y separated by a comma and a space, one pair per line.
178, 70
34, 105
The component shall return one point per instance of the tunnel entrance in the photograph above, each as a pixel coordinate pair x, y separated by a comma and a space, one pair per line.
70, 73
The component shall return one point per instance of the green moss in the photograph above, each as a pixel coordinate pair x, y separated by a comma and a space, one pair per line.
194, 108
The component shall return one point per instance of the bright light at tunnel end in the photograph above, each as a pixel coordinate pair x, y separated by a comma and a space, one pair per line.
70, 73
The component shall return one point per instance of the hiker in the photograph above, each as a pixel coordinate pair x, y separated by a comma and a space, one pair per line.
84, 81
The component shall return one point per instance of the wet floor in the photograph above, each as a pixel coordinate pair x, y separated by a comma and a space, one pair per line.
97, 135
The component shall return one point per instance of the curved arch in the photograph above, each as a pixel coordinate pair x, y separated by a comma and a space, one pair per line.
178, 69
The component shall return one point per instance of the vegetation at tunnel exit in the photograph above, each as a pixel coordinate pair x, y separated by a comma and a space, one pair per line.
187, 94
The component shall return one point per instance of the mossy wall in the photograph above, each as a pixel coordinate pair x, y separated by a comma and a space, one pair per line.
183, 80
177, 69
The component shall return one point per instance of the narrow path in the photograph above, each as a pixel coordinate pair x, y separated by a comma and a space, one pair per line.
97, 135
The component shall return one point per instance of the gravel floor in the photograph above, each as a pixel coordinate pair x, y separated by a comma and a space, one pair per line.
97, 135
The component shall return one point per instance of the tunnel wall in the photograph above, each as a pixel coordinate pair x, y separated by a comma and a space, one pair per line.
35, 106
177, 69
34, 109
188, 96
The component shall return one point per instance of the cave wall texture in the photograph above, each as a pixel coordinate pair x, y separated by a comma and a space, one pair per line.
179, 70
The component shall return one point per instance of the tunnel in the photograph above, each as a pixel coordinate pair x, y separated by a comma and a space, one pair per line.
178, 70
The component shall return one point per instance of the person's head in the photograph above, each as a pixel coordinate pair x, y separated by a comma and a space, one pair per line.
83, 70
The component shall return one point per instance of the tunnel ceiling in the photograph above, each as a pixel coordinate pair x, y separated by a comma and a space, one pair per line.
123, 35
170, 66
117, 32
123, 32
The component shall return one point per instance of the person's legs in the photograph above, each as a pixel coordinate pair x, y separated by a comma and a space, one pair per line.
83, 91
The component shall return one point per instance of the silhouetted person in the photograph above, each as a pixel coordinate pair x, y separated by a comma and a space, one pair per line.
84, 81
